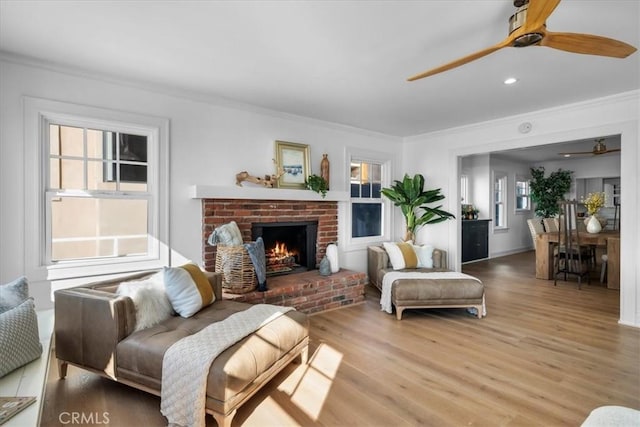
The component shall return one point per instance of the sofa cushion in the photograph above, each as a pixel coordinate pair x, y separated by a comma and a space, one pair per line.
150, 300
13, 293
19, 339
188, 289
425, 255
139, 356
401, 255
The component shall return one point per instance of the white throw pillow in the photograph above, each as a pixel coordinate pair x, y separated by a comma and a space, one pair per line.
425, 255
401, 255
188, 289
150, 299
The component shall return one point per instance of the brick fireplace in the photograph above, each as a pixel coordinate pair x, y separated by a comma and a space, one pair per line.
245, 213
307, 291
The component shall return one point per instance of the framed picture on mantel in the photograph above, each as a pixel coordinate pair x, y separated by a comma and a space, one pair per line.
293, 158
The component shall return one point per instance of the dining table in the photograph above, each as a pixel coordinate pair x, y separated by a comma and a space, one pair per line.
609, 239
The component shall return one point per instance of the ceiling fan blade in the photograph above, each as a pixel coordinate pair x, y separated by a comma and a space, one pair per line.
462, 61
538, 12
576, 152
587, 44
611, 150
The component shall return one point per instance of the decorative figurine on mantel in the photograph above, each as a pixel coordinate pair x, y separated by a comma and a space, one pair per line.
268, 181
324, 169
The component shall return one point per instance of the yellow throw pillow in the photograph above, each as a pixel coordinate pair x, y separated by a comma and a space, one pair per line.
401, 255
188, 289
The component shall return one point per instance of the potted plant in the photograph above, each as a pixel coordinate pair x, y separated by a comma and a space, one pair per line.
409, 195
546, 192
318, 184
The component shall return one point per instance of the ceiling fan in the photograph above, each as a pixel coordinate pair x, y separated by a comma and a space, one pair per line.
527, 27
598, 149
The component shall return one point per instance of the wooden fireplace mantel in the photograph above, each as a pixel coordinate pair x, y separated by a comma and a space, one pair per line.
261, 193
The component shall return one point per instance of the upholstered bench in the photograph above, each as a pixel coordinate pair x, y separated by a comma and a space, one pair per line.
440, 288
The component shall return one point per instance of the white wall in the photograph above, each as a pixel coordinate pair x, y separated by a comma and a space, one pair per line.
210, 141
437, 155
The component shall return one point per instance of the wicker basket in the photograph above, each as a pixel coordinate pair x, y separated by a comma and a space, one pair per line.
238, 274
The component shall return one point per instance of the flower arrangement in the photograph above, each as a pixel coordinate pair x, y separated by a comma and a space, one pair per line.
593, 202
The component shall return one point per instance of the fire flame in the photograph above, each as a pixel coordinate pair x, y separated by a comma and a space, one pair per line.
280, 250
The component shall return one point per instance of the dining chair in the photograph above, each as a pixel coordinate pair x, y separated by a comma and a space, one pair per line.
535, 227
550, 224
570, 258
605, 258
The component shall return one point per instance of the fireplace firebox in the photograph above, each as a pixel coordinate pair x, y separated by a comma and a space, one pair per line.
290, 247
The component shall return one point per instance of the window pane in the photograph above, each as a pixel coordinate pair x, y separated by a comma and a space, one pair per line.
54, 140
375, 190
133, 148
355, 172
375, 172
95, 144
355, 190
54, 173
96, 178
90, 228
71, 141
366, 219
72, 174
366, 190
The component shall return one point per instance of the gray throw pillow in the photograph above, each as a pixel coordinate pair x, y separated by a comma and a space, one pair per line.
13, 293
19, 338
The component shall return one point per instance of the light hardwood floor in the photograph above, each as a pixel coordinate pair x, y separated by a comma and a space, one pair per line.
544, 356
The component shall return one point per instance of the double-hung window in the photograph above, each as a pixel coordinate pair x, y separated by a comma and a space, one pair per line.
500, 200
99, 198
97, 195
366, 199
523, 198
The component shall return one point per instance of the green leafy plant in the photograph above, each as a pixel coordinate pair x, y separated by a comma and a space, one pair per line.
409, 195
318, 184
546, 192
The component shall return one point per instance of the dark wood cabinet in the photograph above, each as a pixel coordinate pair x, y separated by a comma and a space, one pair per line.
475, 239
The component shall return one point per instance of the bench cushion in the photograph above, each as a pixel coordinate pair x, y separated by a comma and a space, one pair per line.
436, 291
139, 356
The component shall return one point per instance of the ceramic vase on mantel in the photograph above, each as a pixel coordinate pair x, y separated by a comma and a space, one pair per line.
593, 225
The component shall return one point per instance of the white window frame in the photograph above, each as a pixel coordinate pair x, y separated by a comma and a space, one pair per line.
503, 177
38, 114
522, 178
357, 243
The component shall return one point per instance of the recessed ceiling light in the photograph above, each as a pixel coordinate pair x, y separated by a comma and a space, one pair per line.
510, 81
567, 155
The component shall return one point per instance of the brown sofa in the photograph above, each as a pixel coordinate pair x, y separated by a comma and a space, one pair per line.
422, 292
93, 330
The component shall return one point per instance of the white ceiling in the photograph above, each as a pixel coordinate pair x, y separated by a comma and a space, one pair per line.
340, 61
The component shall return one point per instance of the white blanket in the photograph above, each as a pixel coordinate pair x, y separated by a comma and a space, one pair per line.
186, 363
392, 276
